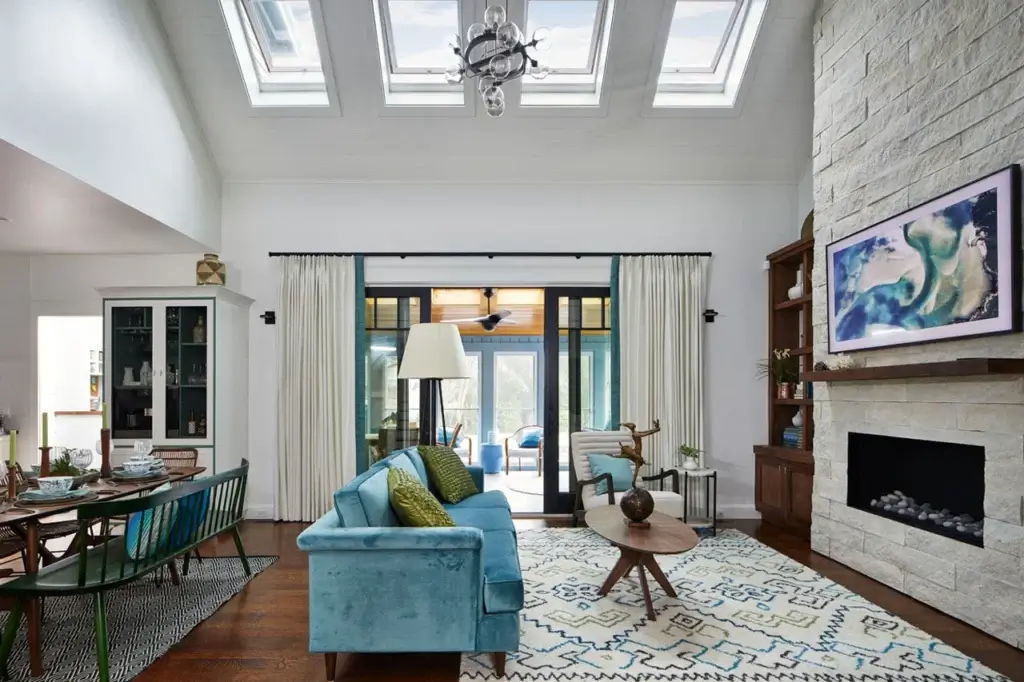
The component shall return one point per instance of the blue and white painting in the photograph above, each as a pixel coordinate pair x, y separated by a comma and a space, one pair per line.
942, 270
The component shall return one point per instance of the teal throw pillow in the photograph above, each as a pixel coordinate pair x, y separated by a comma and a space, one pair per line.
148, 532
531, 438
618, 467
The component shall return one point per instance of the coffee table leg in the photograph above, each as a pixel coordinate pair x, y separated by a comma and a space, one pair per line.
646, 591
623, 565
651, 565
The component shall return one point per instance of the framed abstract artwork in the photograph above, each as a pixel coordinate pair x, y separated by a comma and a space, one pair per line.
947, 269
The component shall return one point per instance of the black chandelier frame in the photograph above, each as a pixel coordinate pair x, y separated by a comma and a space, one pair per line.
482, 67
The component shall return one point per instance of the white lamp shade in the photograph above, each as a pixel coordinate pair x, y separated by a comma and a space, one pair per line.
433, 351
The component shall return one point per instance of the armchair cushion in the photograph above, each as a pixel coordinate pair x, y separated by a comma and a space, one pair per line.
448, 473
531, 439
503, 581
410, 460
618, 467
413, 503
482, 518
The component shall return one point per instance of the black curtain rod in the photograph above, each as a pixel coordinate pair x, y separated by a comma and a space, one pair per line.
486, 254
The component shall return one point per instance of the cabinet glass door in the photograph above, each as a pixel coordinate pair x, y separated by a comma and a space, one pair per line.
187, 376
131, 367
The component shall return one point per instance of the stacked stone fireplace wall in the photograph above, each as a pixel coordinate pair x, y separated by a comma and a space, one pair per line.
913, 98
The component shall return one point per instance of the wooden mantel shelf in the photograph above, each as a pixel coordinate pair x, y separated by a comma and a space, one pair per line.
965, 367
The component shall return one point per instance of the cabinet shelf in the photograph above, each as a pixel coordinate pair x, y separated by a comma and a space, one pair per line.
797, 302
193, 343
134, 330
793, 401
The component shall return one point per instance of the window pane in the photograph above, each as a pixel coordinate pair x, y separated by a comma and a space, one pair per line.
289, 37
591, 311
420, 31
462, 399
515, 391
698, 30
572, 30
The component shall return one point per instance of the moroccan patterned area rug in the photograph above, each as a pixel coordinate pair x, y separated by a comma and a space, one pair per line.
744, 613
144, 620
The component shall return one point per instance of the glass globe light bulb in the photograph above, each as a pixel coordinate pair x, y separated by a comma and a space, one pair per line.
542, 38
494, 16
501, 66
493, 95
453, 74
495, 109
474, 32
485, 83
509, 34
540, 72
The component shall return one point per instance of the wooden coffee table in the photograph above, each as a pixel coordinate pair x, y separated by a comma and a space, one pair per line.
639, 545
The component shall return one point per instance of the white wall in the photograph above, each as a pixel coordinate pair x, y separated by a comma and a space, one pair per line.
804, 196
15, 342
64, 344
740, 224
98, 95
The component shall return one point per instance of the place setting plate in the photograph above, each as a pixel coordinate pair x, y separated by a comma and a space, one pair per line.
37, 498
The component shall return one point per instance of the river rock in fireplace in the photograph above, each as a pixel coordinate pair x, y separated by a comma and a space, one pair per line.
898, 504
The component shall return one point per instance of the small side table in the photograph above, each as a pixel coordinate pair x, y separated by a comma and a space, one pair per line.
490, 457
697, 512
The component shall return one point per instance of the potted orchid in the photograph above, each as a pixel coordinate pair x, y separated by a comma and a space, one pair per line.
783, 368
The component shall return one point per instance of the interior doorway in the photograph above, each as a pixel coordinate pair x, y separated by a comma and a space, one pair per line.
70, 376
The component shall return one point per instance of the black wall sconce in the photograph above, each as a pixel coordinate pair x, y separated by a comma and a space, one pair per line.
269, 317
710, 314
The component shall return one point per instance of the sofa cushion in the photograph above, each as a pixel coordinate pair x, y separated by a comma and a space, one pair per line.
618, 467
413, 503
503, 582
482, 518
448, 472
409, 460
359, 508
490, 499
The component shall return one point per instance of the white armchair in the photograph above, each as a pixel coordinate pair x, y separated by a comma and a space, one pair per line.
513, 447
582, 444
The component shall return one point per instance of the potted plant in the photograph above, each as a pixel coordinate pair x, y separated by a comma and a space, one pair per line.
691, 457
783, 368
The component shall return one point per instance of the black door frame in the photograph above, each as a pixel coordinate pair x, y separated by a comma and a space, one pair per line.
555, 501
428, 416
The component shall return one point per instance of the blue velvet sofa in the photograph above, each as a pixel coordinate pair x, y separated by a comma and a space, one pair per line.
375, 586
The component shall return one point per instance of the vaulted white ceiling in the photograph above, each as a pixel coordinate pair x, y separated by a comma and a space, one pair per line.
765, 137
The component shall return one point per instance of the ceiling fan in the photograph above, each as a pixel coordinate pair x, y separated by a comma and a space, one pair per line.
489, 321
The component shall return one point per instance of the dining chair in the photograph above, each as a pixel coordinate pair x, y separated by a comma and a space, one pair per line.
47, 531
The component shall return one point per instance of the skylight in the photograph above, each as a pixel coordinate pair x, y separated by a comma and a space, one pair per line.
276, 46
413, 37
578, 32
707, 50
698, 34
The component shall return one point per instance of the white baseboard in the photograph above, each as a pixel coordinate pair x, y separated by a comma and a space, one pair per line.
259, 511
738, 511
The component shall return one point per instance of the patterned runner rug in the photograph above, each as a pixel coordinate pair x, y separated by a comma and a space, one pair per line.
143, 620
744, 613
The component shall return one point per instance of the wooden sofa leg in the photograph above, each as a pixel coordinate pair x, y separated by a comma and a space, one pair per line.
499, 663
331, 661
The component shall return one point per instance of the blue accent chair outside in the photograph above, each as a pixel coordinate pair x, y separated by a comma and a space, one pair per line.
376, 586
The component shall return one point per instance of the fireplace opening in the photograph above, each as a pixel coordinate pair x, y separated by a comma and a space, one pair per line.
938, 487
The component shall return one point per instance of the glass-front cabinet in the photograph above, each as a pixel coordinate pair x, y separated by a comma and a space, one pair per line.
160, 370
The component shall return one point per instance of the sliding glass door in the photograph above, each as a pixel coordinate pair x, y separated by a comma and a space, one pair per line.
394, 407
577, 381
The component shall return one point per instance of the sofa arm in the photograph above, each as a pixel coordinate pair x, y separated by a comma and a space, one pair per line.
477, 472
328, 535
393, 589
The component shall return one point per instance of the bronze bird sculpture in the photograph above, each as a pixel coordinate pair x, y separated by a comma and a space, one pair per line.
635, 452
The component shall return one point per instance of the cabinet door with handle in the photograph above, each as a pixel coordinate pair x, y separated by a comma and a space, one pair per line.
770, 485
800, 486
128, 372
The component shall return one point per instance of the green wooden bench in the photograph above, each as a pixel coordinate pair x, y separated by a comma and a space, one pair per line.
200, 509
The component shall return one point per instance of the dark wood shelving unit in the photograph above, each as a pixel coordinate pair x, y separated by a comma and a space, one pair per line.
965, 367
784, 476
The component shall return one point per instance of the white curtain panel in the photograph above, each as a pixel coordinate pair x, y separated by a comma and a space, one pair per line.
316, 394
661, 340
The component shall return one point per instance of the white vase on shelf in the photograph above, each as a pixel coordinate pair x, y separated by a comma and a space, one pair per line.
690, 464
798, 418
797, 290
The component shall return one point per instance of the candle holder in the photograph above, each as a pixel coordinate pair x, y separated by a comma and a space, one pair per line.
104, 453
44, 460
12, 481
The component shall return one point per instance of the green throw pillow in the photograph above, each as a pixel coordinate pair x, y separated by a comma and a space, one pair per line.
413, 503
447, 472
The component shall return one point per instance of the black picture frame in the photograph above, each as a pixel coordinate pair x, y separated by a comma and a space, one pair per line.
1007, 183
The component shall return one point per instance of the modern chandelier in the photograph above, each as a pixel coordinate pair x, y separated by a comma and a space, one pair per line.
496, 54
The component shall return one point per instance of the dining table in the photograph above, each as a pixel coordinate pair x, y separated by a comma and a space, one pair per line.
24, 520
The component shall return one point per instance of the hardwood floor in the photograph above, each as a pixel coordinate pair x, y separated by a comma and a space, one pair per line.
260, 635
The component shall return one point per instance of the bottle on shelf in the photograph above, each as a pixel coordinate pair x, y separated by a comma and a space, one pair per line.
199, 332
202, 426
191, 423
